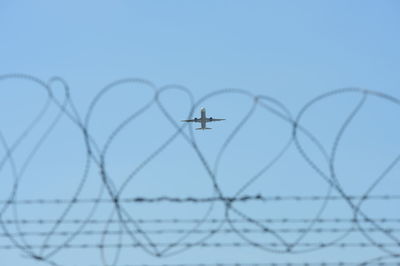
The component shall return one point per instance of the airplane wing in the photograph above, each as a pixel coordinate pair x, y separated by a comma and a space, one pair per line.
190, 120
214, 119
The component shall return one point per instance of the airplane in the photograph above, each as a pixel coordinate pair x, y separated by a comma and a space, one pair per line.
203, 120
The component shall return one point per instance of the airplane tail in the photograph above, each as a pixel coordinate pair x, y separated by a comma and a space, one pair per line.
201, 128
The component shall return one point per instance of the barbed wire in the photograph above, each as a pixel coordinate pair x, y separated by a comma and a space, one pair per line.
201, 231
321, 263
201, 245
377, 233
201, 200
210, 221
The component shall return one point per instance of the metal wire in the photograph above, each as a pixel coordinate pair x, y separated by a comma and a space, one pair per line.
265, 234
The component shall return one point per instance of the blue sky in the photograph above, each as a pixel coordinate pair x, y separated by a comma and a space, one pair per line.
291, 51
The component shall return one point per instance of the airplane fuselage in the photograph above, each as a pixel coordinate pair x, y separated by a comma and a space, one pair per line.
203, 118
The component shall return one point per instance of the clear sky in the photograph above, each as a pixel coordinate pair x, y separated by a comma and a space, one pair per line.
291, 51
